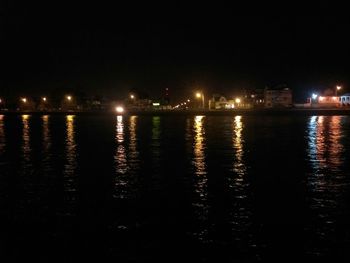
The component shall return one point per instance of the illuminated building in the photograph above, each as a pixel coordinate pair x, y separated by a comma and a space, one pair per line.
345, 100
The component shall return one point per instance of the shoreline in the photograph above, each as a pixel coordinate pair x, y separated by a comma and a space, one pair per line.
243, 112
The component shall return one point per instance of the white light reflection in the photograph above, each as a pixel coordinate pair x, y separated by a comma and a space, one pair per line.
325, 150
327, 181
120, 156
120, 159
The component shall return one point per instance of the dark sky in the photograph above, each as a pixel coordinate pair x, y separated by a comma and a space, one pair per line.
111, 49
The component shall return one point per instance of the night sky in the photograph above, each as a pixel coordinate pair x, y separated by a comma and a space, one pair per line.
112, 49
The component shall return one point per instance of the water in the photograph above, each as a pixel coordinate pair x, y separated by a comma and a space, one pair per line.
203, 188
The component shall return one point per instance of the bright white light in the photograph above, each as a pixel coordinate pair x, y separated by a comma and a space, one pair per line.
44, 98
132, 96
338, 87
24, 100
119, 109
238, 100
314, 96
69, 98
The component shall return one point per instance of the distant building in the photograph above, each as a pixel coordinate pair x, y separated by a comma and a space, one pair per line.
138, 104
326, 102
256, 98
218, 102
344, 100
160, 105
278, 98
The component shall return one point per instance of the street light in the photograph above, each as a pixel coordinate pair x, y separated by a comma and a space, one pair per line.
336, 90
24, 100
44, 99
238, 100
314, 96
200, 95
132, 96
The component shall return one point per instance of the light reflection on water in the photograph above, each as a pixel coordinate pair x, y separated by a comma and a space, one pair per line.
70, 166
120, 158
326, 182
133, 152
198, 151
325, 152
26, 150
238, 165
156, 132
156, 153
2, 136
126, 157
217, 177
46, 141
200, 180
241, 214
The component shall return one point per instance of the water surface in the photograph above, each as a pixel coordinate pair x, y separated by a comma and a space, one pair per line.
204, 188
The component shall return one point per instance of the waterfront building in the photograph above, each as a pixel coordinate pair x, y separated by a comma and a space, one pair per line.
139, 104
255, 98
278, 98
218, 102
344, 99
326, 102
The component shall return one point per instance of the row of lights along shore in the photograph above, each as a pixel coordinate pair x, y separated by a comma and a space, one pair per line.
44, 99
198, 95
118, 109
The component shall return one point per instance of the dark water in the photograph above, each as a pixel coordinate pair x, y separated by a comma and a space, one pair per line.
174, 188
